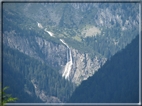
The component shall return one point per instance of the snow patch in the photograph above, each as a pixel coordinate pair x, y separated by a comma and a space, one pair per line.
39, 25
115, 42
123, 28
101, 21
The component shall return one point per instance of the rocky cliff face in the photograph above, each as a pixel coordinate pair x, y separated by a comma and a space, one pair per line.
112, 22
64, 35
84, 66
101, 15
42, 94
55, 55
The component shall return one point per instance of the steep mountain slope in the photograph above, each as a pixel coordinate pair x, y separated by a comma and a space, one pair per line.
93, 31
116, 82
75, 39
27, 76
16, 82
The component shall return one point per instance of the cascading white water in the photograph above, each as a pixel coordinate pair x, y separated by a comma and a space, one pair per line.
50, 33
69, 63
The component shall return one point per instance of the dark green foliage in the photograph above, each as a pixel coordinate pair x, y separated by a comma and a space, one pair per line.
14, 78
116, 82
19, 70
67, 17
106, 45
6, 98
71, 24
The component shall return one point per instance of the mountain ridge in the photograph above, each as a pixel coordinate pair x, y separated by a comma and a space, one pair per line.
93, 31
117, 81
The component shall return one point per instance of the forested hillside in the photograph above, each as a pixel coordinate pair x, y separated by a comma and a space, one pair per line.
22, 72
50, 48
116, 82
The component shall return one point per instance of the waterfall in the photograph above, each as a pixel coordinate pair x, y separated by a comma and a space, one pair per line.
50, 33
69, 63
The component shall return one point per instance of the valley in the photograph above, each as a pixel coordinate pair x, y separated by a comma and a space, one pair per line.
63, 44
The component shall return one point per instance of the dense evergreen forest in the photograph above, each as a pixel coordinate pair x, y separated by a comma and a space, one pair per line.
19, 70
33, 60
116, 82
